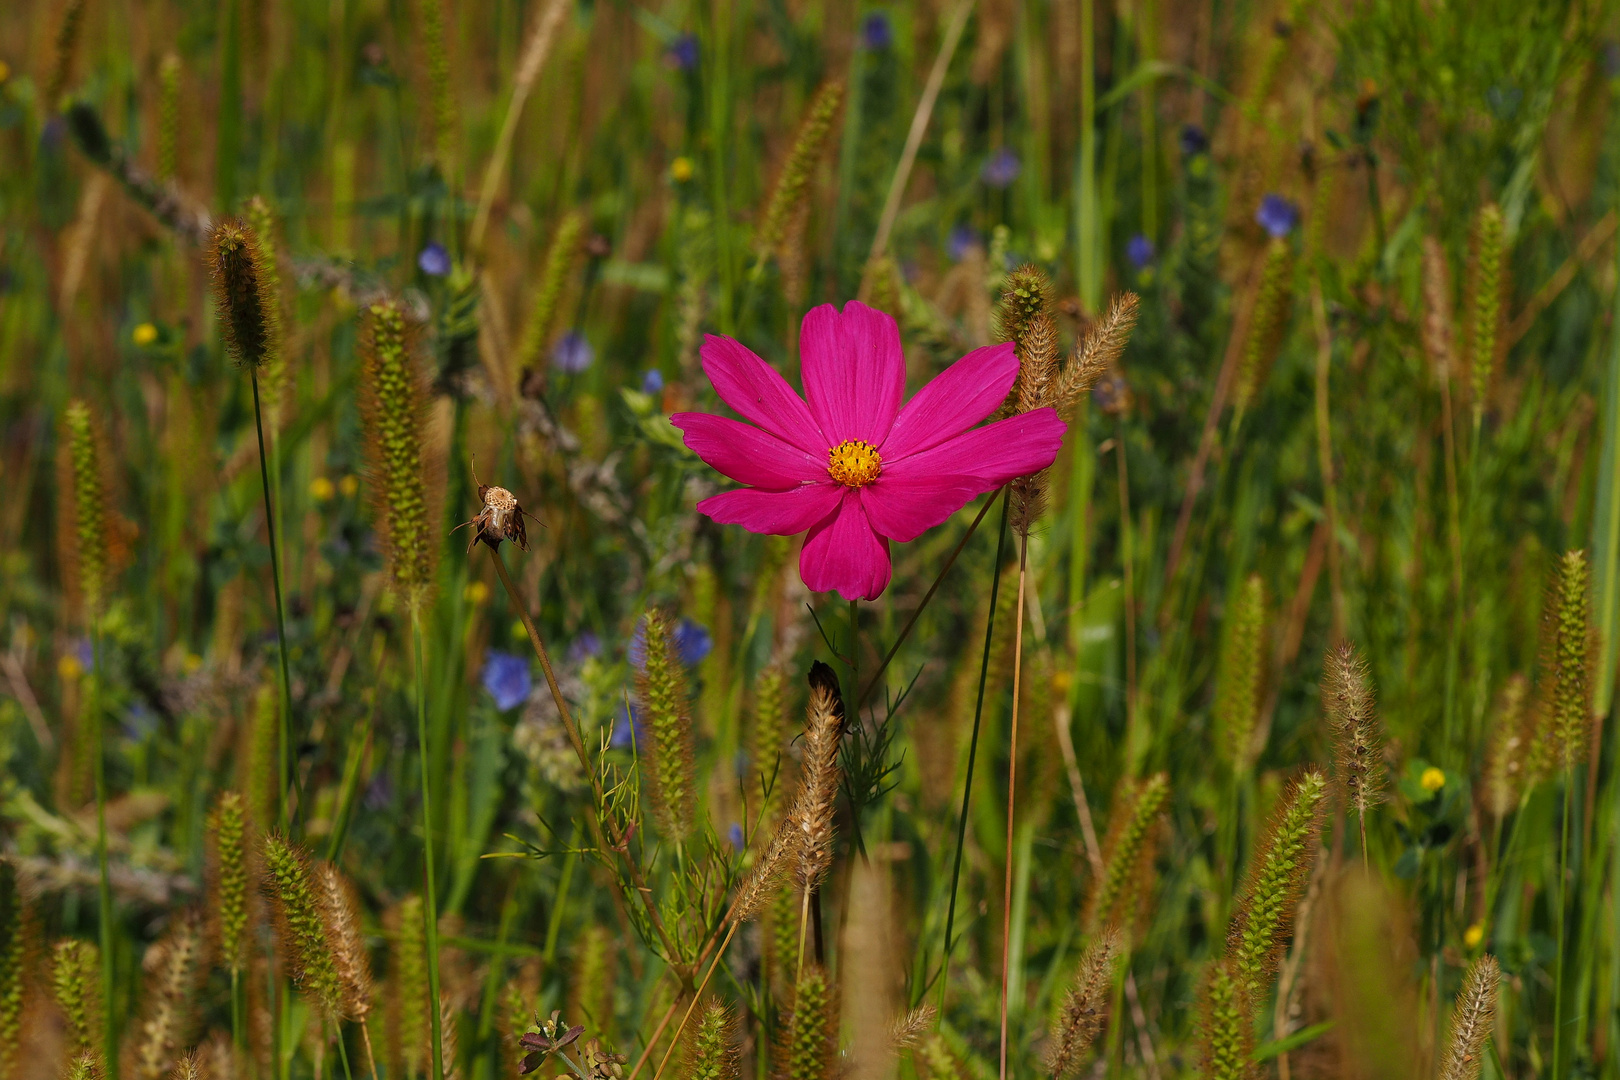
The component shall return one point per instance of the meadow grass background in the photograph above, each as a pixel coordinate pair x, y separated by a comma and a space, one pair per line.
1326, 427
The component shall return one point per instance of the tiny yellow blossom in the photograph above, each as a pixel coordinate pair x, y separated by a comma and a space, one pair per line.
1061, 681
477, 592
144, 334
321, 489
191, 663
349, 485
1474, 935
5, 71
69, 667
681, 170
1432, 779
519, 631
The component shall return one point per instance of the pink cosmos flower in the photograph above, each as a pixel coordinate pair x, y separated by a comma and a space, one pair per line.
847, 461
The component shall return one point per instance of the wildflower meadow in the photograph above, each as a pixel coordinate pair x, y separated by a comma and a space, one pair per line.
809, 539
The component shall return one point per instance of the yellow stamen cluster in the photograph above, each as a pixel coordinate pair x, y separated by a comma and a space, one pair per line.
854, 463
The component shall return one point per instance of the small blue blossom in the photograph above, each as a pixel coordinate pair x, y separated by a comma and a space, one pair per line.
1002, 168
85, 654
652, 382
506, 677
1139, 250
1193, 140
1277, 215
434, 260
572, 353
588, 644
379, 792
682, 54
735, 835
962, 238
139, 722
877, 33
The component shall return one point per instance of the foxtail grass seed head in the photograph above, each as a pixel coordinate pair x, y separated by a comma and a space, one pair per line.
770, 723
666, 728
1227, 1025
1268, 323
1239, 673
408, 1034
436, 50
812, 814
13, 973
340, 916
1471, 1021
295, 899
1507, 759
84, 1065
190, 1067
713, 1052
555, 271
90, 523
909, 1028
261, 777
793, 181
168, 116
66, 48
1266, 909
1096, 353
935, 1060
1437, 317
811, 1043
261, 221
393, 407
1024, 318
76, 986
1489, 256
1569, 661
592, 982
227, 828
243, 300
173, 965
1085, 1008
1128, 853
1358, 741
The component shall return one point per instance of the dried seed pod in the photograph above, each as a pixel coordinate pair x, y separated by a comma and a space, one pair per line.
1095, 353
1347, 696
499, 517
340, 916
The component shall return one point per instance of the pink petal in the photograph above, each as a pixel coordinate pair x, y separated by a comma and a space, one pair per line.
993, 454
775, 513
760, 394
854, 371
956, 399
747, 454
842, 554
904, 508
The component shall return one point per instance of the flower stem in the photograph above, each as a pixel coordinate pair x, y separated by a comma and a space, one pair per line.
697, 996
973, 751
289, 777
1012, 793
1558, 1068
871, 684
430, 900
104, 918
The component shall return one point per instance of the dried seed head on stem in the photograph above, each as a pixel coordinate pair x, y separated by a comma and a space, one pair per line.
340, 917
1471, 1020
247, 307
174, 965
1085, 1006
1347, 696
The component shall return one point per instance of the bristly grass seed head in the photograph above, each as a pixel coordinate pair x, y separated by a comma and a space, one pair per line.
173, 964
90, 523
1239, 673
1085, 1007
794, 179
228, 839
1488, 280
1276, 881
393, 405
340, 916
1471, 1021
1268, 323
812, 814
243, 300
1128, 853
666, 725
76, 985
712, 1053
1568, 663
13, 976
296, 901
1227, 1024
1358, 742
811, 1042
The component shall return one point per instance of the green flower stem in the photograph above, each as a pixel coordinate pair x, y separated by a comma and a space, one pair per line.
871, 684
104, 918
1559, 1041
973, 753
289, 777
430, 900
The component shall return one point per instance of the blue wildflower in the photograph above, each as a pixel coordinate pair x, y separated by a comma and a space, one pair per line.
1002, 168
877, 33
626, 726
682, 54
962, 238
1193, 140
588, 644
1139, 250
652, 382
735, 835
506, 677
1277, 215
572, 353
434, 260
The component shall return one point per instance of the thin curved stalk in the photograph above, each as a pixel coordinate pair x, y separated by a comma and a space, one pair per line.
1012, 790
289, 777
430, 899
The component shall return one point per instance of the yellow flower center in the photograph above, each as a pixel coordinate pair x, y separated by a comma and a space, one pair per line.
854, 463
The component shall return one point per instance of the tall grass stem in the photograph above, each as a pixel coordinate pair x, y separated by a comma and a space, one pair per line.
430, 898
289, 777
